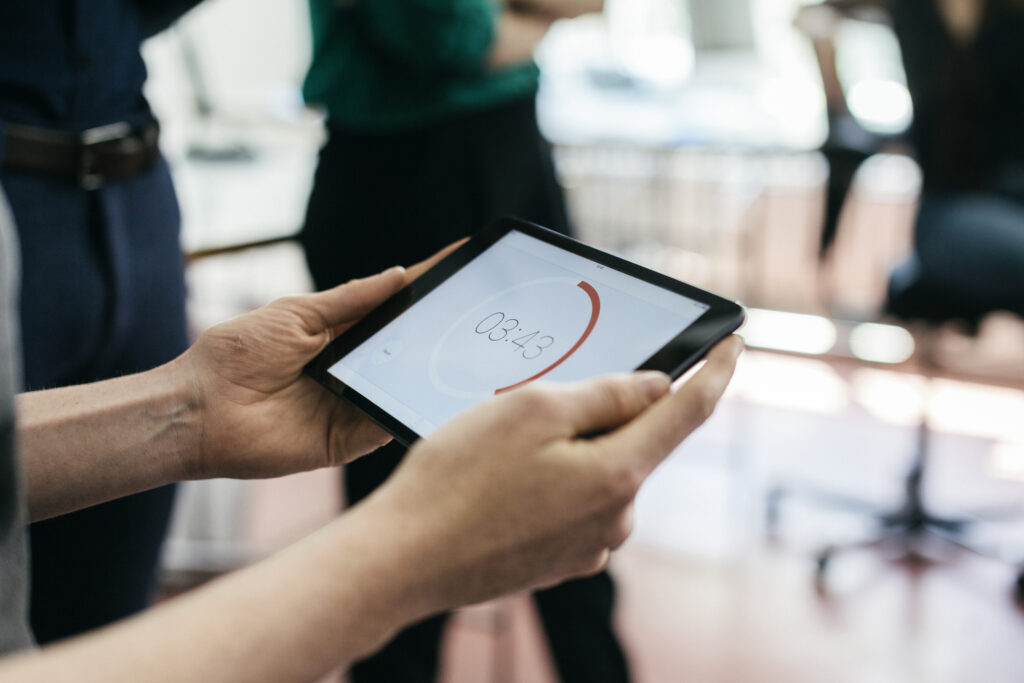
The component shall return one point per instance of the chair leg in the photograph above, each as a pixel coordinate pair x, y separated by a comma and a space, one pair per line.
906, 524
826, 499
823, 560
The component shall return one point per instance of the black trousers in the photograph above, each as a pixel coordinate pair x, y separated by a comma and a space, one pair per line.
102, 295
385, 199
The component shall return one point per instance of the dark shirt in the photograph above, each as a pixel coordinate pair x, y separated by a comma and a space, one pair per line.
75, 64
968, 98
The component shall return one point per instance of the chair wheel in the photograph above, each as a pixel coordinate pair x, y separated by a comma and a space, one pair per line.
822, 561
773, 500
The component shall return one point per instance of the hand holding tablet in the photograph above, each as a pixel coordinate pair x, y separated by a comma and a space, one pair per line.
515, 304
544, 505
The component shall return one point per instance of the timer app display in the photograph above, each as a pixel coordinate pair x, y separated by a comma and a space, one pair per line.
522, 311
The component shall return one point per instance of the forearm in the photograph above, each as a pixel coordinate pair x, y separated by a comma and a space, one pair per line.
516, 36
559, 9
820, 24
522, 26
324, 602
87, 444
835, 97
857, 5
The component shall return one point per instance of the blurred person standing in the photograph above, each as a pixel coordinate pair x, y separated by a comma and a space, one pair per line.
432, 133
102, 293
963, 62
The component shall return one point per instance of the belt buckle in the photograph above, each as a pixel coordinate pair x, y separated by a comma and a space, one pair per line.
88, 177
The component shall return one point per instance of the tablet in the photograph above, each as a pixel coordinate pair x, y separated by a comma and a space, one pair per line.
515, 304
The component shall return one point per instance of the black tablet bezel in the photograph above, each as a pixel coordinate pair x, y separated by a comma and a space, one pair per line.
677, 356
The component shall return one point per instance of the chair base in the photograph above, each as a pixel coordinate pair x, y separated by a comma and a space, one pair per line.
904, 527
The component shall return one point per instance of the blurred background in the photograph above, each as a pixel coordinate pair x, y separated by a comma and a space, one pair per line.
690, 136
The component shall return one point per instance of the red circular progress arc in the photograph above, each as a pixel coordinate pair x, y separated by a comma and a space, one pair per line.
595, 311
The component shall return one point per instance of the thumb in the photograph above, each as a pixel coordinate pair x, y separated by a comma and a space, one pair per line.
650, 438
340, 307
605, 402
352, 300
414, 271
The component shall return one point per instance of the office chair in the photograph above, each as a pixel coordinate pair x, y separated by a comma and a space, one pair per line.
908, 522
924, 309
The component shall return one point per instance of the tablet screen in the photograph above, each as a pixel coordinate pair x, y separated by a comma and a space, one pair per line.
523, 310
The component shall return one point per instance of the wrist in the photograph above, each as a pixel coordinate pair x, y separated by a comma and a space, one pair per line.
180, 406
527, 12
375, 580
559, 9
410, 543
429, 538
87, 444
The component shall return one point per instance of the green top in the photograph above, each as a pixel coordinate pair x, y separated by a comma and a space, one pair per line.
389, 65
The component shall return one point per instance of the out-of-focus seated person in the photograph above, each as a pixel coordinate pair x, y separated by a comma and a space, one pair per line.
963, 63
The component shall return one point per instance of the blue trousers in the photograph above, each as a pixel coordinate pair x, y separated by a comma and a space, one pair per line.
102, 295
972, 246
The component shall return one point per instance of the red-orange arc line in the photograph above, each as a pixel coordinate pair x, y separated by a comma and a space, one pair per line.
595, 310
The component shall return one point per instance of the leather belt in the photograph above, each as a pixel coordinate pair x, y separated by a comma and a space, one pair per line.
90, 158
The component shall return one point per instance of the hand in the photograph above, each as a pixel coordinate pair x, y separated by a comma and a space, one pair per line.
509, 496
261, 417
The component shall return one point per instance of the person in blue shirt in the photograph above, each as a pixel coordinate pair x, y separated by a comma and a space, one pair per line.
102, 292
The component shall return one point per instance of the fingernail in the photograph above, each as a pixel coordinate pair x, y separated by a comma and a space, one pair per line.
655, 384
739, 347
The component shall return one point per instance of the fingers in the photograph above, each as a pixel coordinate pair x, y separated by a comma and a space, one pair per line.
338, 307
413, 272
358, 436
353, 299
622, 528
652, 436
599, 564
607, 401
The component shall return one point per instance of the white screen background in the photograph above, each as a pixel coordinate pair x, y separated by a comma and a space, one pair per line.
432, 362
